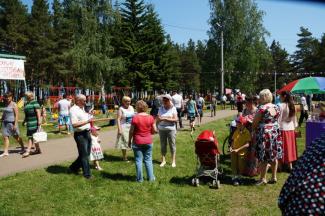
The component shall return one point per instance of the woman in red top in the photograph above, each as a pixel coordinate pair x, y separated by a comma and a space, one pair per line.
142, 127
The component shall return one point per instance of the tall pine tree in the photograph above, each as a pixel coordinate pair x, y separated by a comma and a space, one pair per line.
40, 43
190, 68
304, 57
281, 64
13, 26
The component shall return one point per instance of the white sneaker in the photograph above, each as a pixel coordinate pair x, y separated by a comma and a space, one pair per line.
163, 164
173, 164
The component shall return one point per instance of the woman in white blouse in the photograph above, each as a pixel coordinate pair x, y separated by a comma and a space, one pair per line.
288, 123
166, 119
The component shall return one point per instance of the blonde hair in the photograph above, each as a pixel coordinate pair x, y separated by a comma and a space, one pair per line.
125, 98
141, 106
265, 96
29, 95
80, 97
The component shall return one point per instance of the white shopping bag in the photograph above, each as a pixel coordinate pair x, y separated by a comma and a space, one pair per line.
40, 136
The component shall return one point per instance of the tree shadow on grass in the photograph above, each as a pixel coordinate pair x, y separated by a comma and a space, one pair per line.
224, 179
113, 158
118, 176
57, 169
12, 151
184, 129
185, 180
156, 162
243, 180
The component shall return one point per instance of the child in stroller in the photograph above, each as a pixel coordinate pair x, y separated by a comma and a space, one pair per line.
206, 149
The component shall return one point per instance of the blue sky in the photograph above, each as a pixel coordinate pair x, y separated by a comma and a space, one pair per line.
185, 19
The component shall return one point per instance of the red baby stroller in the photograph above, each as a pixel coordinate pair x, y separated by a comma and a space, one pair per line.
206, 149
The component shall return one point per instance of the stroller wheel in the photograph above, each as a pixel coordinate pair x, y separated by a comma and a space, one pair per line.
218, 184
215, 184
195, 182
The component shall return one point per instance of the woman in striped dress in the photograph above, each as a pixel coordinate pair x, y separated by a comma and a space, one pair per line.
33, 122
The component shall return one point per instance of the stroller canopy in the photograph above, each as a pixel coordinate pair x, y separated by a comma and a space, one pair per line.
206, 142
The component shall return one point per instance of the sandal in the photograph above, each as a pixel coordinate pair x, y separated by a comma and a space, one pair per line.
38, 151
4, 155
162, 164
26, 154
99, 168
261, 182
273, 181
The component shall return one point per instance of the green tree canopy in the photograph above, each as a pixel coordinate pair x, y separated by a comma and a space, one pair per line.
13, 26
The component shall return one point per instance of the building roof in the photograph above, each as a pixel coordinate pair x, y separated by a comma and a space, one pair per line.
10, 56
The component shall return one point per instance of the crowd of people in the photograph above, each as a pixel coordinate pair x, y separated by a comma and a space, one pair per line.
264, 135
267, 131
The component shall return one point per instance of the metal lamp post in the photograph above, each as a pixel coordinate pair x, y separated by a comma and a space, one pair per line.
222, 85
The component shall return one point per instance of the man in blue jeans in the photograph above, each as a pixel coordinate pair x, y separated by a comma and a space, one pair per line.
81, 123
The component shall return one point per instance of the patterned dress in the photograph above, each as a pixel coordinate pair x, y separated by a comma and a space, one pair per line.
268, 139
96, 152
304, 191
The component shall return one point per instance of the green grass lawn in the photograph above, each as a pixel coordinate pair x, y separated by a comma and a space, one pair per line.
51, 191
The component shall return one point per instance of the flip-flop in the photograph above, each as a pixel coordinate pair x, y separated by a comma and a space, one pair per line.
4, 155
26, 154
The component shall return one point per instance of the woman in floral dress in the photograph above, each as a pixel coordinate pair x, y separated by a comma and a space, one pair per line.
268, 136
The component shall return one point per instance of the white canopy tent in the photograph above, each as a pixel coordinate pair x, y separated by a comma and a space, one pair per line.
12, 68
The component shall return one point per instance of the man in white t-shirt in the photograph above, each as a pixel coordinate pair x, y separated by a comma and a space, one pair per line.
64, 113
178, 103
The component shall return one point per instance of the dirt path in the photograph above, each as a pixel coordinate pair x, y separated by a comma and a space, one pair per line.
56, 151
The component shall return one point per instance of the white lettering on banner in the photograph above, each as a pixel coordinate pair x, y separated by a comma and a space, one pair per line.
12, 69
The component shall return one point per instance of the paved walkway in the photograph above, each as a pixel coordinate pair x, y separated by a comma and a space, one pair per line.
56, 151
